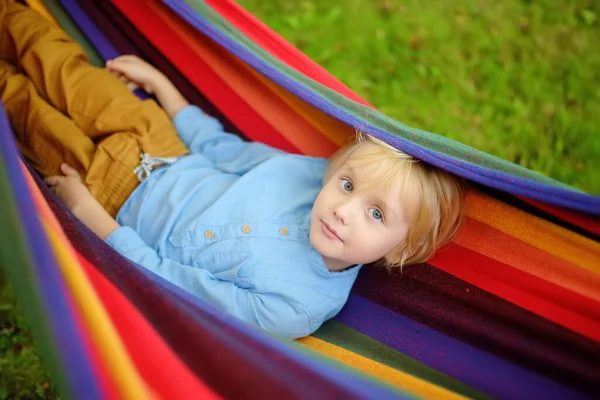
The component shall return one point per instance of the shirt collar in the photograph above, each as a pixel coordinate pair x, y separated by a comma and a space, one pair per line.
315, 259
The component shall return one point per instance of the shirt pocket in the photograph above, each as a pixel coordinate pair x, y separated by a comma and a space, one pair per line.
234, 265
186, 244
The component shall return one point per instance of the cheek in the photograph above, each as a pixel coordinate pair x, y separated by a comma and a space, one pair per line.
377, 239
319, 200
324, 198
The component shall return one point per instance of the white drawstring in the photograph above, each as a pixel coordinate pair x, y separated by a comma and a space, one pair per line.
148, 163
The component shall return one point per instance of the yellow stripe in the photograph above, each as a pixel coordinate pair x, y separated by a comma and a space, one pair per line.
390, 375
537, 232
38, 6
119, 365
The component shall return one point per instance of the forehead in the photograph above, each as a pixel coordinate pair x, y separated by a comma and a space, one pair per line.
382, 180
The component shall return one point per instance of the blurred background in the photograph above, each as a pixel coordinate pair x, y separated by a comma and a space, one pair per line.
515, 78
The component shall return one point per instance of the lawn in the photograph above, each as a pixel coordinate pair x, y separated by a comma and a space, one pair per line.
519, 79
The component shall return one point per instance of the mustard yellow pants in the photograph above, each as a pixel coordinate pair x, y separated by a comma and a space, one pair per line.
65, 110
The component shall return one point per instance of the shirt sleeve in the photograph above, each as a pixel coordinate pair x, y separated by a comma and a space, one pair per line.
229, 153
270, 312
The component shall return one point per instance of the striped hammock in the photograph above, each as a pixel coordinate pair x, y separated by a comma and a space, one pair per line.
510, 310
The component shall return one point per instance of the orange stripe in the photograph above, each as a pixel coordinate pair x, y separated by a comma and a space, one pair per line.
556, 304
119, 366
339, 133
509, 250
99, 365
539, 233
402, 380
286, 121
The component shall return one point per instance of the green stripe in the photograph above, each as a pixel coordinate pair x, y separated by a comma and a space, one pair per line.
323, 359
429, 140
66, 22
17, 265
343, 336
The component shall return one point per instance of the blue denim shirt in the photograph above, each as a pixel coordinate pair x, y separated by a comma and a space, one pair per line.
230, 224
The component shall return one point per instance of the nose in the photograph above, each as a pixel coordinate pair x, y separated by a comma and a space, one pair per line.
339, 216
342, 211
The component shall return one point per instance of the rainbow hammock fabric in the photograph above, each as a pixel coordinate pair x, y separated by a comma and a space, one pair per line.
510, 310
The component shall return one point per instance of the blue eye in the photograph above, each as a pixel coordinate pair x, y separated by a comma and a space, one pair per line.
347, 185
376, 214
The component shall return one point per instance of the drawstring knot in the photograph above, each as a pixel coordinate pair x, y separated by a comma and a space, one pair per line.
148, 163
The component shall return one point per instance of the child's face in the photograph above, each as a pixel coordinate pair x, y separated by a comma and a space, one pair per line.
356, 221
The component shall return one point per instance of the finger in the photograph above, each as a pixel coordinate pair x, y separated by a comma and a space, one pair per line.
53, 180
128, 58
131, 86
114, 72
118, 65
119, 59
148, 89
120, 77
123, 60
68, 170
109, 64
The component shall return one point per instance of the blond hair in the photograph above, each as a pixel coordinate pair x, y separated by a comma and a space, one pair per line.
438, 212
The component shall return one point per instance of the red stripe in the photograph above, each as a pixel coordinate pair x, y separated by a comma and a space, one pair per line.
158, 365
431, 296
484, 239
550, 301
193, 67
285, 52
256, 90
278, 47
107, 387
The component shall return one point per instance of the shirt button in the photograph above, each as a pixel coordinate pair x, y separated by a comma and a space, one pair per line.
246, 229
284, 231
209, 234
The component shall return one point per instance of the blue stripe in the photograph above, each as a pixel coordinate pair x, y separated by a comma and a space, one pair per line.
80, 376
203, 310
443, 353
102, 45
206, 312
500, 180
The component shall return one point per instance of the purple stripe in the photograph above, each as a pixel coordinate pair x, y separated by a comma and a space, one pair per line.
128, 40
203, 336
102, 45
467, 364
486, 176
201, 309
65, 332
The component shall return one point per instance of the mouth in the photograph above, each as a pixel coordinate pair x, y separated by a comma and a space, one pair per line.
330, 232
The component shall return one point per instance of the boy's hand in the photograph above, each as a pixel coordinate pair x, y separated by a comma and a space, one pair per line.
80, 201
135, 72
70, 189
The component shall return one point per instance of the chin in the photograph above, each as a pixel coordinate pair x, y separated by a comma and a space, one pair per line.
320, 246
314, 242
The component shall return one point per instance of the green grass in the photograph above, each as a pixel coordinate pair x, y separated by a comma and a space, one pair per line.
519, 79
22, 375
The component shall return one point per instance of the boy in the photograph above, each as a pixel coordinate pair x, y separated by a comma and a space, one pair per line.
274, 239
